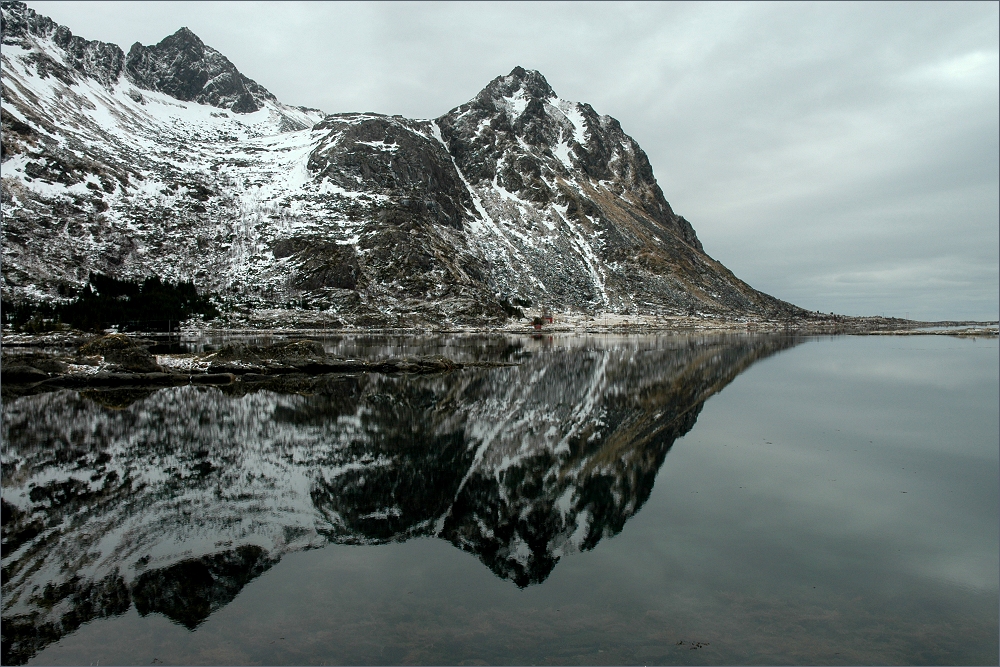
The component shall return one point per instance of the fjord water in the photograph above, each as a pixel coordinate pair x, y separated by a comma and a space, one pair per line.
608, 500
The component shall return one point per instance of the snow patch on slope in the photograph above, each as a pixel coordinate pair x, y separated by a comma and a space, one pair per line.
571, 111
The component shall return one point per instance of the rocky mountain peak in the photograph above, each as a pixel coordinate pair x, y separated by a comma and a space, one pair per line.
519, 84
183, 41
184, 67
520, 135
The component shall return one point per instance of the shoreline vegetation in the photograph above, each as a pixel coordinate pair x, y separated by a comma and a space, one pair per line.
154, 306
562, 323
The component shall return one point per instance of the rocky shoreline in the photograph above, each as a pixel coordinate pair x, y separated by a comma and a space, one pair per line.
966, 332
37, 363
562, 323
117, 361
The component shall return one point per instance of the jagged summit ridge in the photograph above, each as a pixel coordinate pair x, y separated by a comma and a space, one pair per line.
515, 91
99, 60
533, 153
170, 162
182, 66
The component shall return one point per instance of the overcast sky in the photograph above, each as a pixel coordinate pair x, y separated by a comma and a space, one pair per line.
843, 157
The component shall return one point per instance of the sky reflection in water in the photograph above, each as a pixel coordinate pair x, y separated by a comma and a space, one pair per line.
836, 504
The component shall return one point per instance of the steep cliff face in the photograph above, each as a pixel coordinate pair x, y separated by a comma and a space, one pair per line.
567, 196
168, 161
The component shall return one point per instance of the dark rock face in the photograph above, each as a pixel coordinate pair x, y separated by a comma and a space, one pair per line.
394, 157
322, 265
595, 185
182, 66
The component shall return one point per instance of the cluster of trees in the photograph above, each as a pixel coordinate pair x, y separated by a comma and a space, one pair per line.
150, 305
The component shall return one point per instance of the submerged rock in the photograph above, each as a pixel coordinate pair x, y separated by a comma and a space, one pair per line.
21, 374
124, 352
121, 370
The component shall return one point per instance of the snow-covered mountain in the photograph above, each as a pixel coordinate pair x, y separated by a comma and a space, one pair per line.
173, 500
168, 161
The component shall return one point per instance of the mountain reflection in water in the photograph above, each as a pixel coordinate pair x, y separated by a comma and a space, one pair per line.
174, 500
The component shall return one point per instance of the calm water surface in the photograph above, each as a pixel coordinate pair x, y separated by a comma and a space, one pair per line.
606, 500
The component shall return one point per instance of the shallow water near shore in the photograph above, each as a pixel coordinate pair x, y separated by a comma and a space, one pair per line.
608, 500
